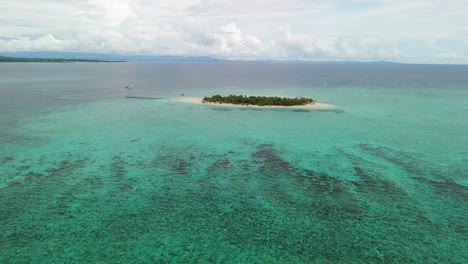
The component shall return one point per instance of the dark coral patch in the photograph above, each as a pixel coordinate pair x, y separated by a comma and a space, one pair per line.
65, 167
6, 159
336, 111
325, 195
181, 165
271, 162
24, 167
118, 167
378, 188
398, 158
446, 188
221, 109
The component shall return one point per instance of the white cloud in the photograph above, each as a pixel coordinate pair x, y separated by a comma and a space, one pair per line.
417, 31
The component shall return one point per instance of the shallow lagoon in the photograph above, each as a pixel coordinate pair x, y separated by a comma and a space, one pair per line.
87, 175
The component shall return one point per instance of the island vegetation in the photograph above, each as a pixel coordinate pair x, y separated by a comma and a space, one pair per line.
258, 100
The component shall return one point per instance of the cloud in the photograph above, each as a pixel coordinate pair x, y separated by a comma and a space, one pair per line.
416, 31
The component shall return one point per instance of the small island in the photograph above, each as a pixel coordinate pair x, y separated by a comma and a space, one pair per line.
258, 100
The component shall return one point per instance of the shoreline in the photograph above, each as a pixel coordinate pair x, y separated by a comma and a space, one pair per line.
200, 101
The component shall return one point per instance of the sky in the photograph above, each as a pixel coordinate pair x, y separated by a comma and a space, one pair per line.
418, 31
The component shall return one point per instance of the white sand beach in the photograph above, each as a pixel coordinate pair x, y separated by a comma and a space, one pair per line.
200, 101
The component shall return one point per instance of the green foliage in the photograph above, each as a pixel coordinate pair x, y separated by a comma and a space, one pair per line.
258, 100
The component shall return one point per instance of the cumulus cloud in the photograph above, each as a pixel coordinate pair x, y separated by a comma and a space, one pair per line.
416, 31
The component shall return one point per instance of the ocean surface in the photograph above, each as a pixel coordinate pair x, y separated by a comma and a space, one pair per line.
89, 176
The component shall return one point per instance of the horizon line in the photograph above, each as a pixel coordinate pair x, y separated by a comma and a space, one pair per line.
125, 57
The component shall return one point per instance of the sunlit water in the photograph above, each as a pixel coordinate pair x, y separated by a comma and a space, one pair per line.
88, 176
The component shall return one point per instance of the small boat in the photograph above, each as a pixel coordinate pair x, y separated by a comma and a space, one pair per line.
129, 86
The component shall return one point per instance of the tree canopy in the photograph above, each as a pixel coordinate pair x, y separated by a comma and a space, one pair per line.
258, 100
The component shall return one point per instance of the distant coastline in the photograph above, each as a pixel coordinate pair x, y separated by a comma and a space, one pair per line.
15, 59
107, 57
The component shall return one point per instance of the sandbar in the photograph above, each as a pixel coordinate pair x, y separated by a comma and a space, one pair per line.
200, 101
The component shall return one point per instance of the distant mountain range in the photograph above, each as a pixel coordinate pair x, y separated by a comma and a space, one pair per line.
105, 57
100, 57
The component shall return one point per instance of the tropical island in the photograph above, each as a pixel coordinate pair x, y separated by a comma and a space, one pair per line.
258, 100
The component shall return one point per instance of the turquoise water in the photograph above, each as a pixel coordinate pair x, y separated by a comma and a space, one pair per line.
87, 176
